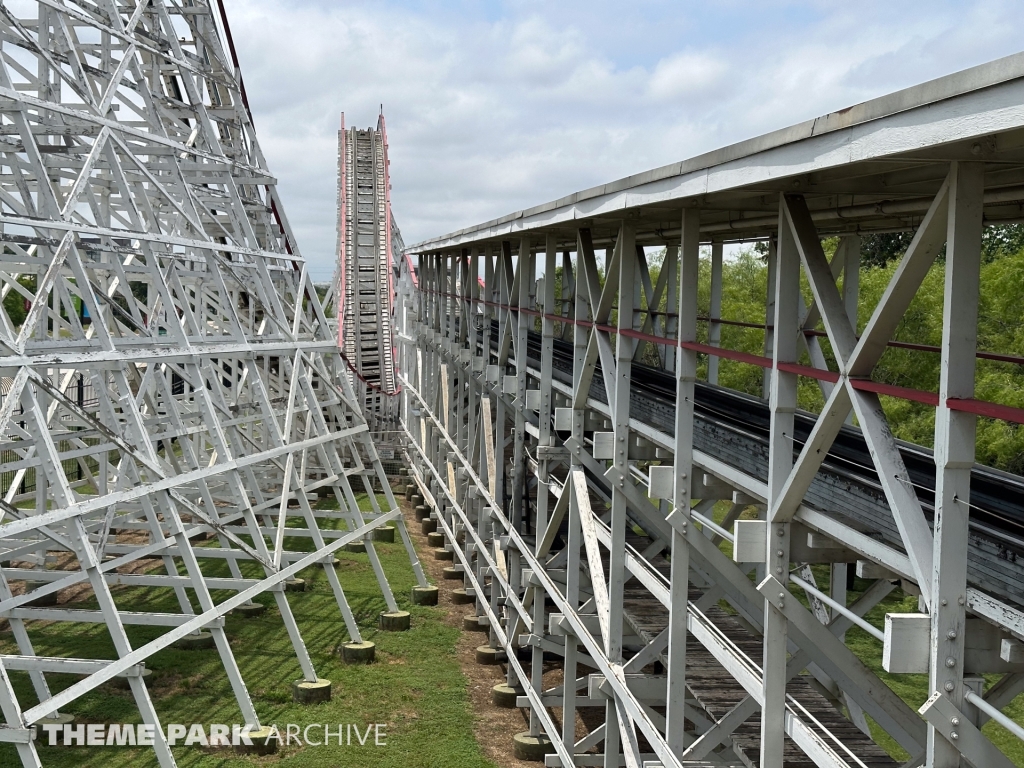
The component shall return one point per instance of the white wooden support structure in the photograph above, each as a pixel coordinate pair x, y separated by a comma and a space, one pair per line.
599, 473
173, 389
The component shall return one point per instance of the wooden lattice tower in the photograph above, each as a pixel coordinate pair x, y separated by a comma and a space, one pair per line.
170, 374
566, 422
367, 242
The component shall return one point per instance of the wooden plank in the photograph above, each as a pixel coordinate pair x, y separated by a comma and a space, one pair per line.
598, 582
485, 416
717, 692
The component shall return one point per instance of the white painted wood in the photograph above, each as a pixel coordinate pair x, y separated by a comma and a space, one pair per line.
1011, 651
714, 326
605, 446
946, 719
928, 122
663, 480
750, 541
563, 419
792, 644
533, 399
954, 447
907, 638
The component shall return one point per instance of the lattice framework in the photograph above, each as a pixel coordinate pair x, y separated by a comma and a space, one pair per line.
559, 429
171, 375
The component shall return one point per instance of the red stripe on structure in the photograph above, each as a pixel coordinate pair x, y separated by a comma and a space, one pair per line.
977, 407
891, 390
729, 354
986, 409
807, 370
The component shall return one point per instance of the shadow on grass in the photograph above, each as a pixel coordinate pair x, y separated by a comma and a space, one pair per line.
415, 687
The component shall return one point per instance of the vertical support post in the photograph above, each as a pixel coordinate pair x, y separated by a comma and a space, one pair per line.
714, 326
572, 577
461, 365
475, 327
624, 348
504, 270
545, 439
782, 405
954, 449
671, 320
851, 296
585, 305
568, 292
572, 596
524, 266
487, 456
837, 587
851, 277
620, 415
769, 312
686, 376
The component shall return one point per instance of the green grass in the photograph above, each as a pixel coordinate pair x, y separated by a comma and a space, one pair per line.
416, 686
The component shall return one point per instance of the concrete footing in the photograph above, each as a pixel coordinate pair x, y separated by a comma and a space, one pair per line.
487, 655
424, 595
443, 554
395, 621
358, 653
264, 742
356, 546
295, 585
385, 533
315, 692
428, 526
416, 499
60, 719
532, 748
44, 601
461, 597
196, 642
453, 573
250, 610
505, 696
422, 512
121, 682
435, 539
475, 624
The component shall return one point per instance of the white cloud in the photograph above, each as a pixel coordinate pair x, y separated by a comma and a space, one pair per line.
491, 109
684, 74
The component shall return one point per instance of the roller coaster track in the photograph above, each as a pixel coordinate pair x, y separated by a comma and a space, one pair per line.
734, 428
367, 239
589, 494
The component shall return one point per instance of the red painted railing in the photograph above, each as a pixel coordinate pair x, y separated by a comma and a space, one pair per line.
977, 407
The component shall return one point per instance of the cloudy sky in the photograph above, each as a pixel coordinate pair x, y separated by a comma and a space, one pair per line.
495, 106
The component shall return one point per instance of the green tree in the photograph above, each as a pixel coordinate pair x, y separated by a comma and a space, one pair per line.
14, 302
1000, 329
